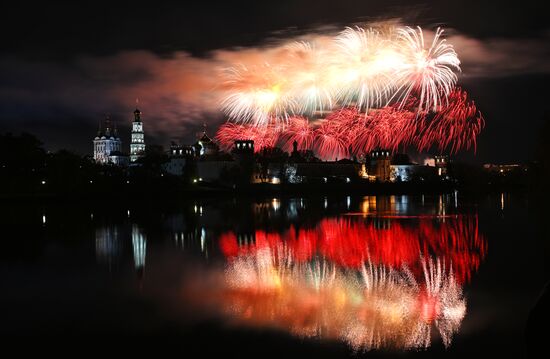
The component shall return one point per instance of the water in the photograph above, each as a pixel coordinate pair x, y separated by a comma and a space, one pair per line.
328, 276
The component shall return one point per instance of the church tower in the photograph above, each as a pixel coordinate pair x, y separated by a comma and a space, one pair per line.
107, 144
137, 145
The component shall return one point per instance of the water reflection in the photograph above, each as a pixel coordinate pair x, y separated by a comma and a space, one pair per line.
374, 272
371, 307
376, 282
139, 246
107, 245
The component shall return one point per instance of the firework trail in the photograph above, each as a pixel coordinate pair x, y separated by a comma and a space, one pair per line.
360, 67
229, 132
366, 73
330, 142
256, 96
300, 130
388, 128
365, 89
428, 73
455, 126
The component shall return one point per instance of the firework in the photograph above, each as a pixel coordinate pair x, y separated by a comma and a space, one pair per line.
330, 142
456, 125
365, 63
300, 130
361, 67
388, 127
229, 132
428, 73
257, 95
364, 89
311, 85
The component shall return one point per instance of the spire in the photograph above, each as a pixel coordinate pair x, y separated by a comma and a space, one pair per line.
107, 125
137, 115
202, 136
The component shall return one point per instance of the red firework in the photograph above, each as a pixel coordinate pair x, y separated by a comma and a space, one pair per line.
455, 126
262, 137
335, 137
348, 131
388, 127
299, 130
331, 142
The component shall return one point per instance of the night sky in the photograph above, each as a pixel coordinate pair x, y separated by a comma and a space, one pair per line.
65, 65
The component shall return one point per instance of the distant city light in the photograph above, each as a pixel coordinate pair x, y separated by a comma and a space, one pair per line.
43, 182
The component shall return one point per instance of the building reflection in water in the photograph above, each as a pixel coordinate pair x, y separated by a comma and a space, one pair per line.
108, 246
402, 205
139, 246
374, 282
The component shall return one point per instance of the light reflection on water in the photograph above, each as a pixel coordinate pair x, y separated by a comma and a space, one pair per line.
374, 272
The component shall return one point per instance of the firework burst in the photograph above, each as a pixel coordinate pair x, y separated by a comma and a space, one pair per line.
455, 126
428, 73
300, 130
363, 89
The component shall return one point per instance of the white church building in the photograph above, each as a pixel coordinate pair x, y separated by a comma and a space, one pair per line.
108, 145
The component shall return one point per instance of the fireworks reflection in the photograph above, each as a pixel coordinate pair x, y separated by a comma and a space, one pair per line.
373, 286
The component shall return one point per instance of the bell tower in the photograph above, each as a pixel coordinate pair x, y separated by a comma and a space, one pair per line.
137, 145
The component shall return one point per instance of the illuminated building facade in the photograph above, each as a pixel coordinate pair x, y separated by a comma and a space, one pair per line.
441, 165
380, 161
107, 145
137, 146
205, 146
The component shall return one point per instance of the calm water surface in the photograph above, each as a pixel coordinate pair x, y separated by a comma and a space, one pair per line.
329, 276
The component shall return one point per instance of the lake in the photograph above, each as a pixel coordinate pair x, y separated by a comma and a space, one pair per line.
374, 276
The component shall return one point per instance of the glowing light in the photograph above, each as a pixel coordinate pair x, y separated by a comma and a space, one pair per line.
360, 67
369, 87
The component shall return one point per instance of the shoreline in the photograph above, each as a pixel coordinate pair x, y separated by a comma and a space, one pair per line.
177, 193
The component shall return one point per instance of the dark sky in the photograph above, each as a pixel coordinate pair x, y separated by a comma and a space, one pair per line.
64, 65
